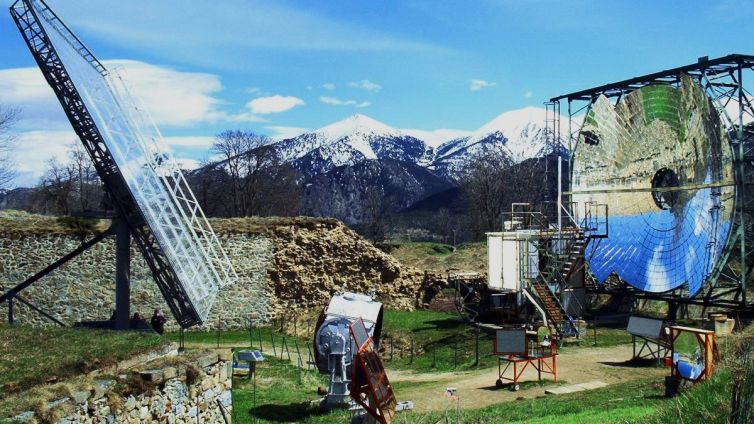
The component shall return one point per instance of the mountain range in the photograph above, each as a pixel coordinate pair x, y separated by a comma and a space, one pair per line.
343, 163
519, 135
345, 168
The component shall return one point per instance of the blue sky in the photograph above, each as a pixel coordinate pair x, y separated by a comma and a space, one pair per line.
278, 67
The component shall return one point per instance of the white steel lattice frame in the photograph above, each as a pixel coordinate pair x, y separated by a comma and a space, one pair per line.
156, 182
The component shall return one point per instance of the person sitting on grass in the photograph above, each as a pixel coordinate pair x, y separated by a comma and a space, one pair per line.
158, 322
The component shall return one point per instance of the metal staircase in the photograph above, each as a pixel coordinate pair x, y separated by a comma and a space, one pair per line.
554, 310
563, 265
575, 259
563, 324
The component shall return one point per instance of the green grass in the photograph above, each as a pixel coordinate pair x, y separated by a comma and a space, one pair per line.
438, 257
423, 325
282, 397
30, 356
706, 402
606, 337
614, 404
441, 342
243, 339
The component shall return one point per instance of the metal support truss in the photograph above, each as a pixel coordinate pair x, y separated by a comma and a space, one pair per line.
13, 294
57, 76
723, 80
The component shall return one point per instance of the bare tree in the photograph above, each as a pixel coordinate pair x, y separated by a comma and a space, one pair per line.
8, 117
259, 162
69, 186
54, 192
444, 224
249, 179
484, 186
230, 145
377, 213
87, 189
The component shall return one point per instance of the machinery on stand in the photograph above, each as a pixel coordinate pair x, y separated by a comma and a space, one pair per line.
690, 367
335, 350
370, 386
536, 270
151, 201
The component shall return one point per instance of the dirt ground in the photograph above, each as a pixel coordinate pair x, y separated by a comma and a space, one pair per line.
476, 389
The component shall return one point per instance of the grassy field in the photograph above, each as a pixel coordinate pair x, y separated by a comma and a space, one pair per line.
285, 394
443, 342
440, 257
40, 364
30, 356
421, 340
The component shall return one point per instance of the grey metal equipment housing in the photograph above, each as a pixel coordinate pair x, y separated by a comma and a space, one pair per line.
334, 348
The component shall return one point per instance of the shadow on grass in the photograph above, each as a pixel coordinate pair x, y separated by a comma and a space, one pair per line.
293, 412
524, 385
635, 363
441, 324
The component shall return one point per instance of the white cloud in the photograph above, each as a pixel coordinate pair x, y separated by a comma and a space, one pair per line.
173, 98
435, 138
478, 84
33, 149
27, 89
189, 141
273, 104
283, 132
328, 86
528, 94
338, 102
366, 85
188, 163
252, 90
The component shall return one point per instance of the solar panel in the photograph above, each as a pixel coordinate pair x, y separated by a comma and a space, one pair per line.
661, 160
153, 178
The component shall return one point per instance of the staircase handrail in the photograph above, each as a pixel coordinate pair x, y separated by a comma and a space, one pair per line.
534, 301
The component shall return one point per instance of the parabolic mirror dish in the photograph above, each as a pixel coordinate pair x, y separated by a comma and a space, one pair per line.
661, 160
155, 181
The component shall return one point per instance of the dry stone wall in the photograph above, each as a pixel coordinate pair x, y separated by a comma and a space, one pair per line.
172, 389
282, 264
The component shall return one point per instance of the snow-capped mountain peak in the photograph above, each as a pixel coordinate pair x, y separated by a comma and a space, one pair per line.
512, 122
523, 129
357, 124
520, 134
350, 141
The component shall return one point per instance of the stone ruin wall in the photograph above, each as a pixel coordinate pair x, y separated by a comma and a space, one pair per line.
172, 388
282, 264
